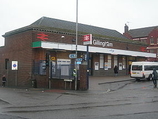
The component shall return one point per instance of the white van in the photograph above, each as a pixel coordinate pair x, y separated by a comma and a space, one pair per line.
143, 70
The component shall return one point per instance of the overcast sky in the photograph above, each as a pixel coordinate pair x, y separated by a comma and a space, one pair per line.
111, 14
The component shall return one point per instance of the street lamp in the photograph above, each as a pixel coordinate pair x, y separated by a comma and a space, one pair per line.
76, 43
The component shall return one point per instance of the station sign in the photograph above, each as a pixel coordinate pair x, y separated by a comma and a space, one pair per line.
72, 56
79, 60
87, 39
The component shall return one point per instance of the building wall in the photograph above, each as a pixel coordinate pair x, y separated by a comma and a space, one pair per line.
102, 71
17, 48
70, 39
152, 47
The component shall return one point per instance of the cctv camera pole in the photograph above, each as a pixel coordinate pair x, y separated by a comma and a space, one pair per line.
76, 43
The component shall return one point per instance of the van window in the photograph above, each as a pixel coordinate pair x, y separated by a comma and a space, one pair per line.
149, 67
137, 67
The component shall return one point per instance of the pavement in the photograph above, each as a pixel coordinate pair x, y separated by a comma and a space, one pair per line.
95, 84
105, 84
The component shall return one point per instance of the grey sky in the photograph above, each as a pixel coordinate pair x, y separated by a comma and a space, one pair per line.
111, 14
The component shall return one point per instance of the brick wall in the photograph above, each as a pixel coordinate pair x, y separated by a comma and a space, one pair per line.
68, 38
17, 48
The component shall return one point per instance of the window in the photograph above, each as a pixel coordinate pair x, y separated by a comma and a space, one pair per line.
6, 63
109, 61
144, 40
148, 67
137, 67
152, 51
151, 40
124, 62
115, 61
101, 61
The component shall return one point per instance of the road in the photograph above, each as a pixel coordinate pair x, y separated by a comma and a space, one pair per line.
126, 99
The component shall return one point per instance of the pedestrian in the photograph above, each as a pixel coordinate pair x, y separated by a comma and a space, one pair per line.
116, 70
3, 80
154, 77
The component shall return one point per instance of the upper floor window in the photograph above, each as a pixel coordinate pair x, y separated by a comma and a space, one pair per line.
151, 40
152, 51
144, 40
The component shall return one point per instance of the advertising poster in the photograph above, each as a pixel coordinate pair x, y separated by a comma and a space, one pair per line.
120, 66
106, 66
96, 65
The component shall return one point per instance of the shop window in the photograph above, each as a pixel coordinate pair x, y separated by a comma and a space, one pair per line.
109, 61
101, 61
124, 62
63, 65
115, 61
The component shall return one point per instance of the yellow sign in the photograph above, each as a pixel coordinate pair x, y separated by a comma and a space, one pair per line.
52, 58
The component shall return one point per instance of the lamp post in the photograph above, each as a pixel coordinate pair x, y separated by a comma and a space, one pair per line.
76, 43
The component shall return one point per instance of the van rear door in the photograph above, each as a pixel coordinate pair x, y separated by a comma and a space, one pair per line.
137, 71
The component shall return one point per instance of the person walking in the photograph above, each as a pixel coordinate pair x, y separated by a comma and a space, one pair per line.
154, 77
116, 70
3, 80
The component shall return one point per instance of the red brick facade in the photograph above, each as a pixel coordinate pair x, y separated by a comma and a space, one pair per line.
148, 35
18, 47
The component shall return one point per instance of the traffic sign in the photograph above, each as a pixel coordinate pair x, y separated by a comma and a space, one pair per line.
72, 55
79, 59
52, 58
14, 65
78, 62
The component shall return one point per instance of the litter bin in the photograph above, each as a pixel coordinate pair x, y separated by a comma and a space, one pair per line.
34, 83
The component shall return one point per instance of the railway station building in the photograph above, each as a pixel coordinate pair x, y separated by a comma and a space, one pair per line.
27, 49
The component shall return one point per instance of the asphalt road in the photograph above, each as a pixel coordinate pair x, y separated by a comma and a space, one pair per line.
126, 99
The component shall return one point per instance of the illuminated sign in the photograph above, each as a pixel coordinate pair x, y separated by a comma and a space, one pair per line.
87, 39
42, 36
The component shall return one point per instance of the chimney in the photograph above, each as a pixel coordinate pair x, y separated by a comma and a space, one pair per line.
125, 28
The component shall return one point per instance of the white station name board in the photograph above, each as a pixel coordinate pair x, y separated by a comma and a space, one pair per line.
87, 40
